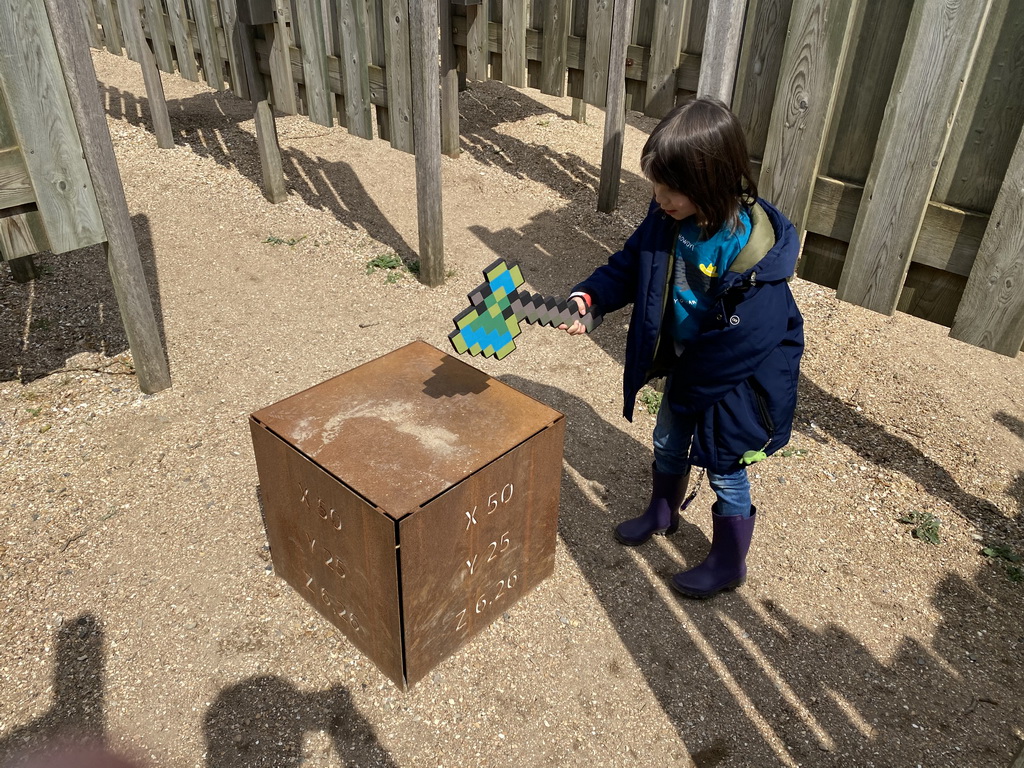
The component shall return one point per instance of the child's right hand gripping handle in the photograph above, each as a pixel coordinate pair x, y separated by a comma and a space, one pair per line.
590, 320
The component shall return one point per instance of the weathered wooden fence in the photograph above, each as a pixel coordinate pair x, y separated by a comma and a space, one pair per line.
890, 132
60, 189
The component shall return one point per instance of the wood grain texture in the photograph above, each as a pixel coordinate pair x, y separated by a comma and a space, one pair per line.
184, 54
157, 32
880, 27
399, 75
555, 47
940, 43
232, 49
721, 50
111, 26
282, 85
274, 187
213, 69
40, 110
15, 183
355, 59
662, 68
991, 313
22, 234
764, 39
91, 22
513, 43
314, 62
990, 116
122, 250
449, 83
805, 93
598, 48
427, 117
478, 56
150, 76
615, 110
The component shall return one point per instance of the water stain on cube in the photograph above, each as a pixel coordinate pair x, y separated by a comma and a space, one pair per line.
411, 501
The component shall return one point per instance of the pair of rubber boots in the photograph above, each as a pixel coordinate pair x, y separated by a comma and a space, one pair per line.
725, 566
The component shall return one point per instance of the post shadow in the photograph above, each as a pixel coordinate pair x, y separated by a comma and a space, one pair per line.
35, 340
746, 683
77, 711
260, 723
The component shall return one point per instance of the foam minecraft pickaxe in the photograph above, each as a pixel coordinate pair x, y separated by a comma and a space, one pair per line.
491, 323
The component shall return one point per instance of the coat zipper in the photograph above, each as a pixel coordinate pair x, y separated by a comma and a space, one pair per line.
665, 296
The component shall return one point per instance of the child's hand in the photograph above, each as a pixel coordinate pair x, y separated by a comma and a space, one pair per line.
577, 327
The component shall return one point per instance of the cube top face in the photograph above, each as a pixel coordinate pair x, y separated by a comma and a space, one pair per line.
403, 428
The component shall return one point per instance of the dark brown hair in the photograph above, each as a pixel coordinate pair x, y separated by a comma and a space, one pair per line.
699, 150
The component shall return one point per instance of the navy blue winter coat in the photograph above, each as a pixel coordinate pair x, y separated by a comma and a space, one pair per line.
739, 377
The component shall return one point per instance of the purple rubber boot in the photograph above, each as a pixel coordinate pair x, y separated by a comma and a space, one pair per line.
662, 514
725, 567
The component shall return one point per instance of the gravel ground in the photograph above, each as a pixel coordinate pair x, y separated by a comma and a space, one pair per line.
138, 602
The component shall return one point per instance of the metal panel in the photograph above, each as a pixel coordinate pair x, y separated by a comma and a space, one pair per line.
471, 553
334, 548
407, 426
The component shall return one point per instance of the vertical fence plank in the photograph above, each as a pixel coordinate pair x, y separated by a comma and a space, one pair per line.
615, 110
764, 38
666, 43
941, 41
991, 312
355, 72
91, 23
427, 116
990, 114
150, 76
274, 187
111, 27
399, 74
449, 83
819, 35
278, 41
213, 70
161, 44
123, 260
596, 64
378, 57
314, 62
478, 54
513, 43
182, 39
233, 48
880, 27
555, 47
721, 49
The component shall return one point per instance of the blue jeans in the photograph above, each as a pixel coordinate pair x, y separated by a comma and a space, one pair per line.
672, 437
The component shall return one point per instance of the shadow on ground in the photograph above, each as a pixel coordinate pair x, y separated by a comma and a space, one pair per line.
746, 683
258, 723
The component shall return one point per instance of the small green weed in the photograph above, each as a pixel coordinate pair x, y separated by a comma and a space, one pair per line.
384, 261
284, 240
1008, 559
34, 412
650, 399
41, 324
798, 453
926, 526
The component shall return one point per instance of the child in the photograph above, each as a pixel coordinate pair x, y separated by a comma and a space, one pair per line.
707, 274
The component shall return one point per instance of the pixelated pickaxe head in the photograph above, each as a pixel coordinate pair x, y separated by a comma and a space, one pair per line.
491, 323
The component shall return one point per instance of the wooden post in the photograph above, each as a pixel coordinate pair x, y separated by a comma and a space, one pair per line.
819, 36
991, 312
449, 84
663, 70
151, 77
513, 43
274, 187
615, 107
722, 38
426, 110
23, 269
122, 251
935, 61
555, 45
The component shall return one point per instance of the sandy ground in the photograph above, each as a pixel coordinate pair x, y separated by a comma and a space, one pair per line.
139, 605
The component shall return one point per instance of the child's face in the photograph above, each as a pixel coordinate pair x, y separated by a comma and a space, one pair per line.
673, 202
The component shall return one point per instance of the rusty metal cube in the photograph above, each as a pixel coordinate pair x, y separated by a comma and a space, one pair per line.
411, 501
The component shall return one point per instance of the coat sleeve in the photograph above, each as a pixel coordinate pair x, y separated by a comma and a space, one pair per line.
731, 351
613, 285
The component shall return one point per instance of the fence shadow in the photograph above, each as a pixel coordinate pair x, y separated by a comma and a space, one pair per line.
794, 693
77, 711
69, 309
261, 722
